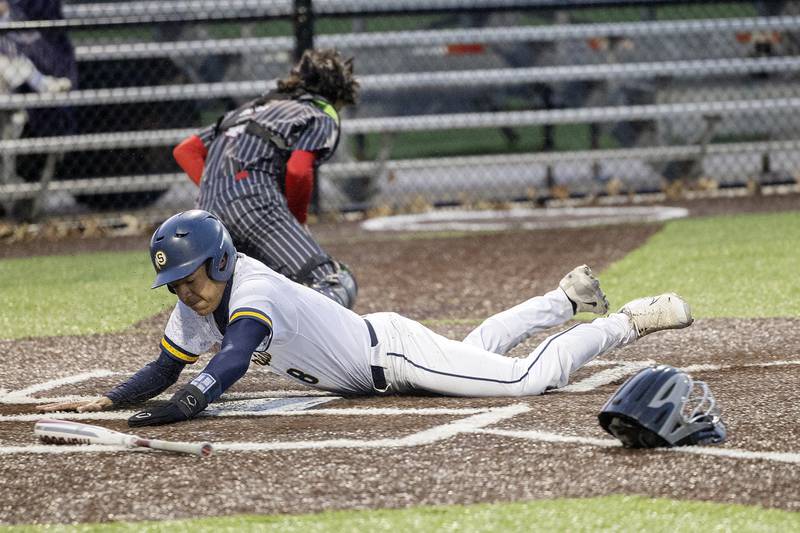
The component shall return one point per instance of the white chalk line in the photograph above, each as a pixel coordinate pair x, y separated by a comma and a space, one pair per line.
621, 368
23, 396
730, 453
54, 383
601, 378
626, 368
19, 396
352, 411
706, 368
604, 377
21, 400
429, 436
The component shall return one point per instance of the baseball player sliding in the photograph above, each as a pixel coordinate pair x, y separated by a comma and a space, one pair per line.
229, 298
255, 168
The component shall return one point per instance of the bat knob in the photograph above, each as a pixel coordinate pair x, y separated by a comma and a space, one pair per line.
206, 449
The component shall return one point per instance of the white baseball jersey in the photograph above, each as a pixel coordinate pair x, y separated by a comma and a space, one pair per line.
314, 340
322, 344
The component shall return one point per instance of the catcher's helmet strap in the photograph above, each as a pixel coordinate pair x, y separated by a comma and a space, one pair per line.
326, 108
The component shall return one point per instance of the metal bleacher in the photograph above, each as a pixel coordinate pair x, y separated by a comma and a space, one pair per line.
101, 15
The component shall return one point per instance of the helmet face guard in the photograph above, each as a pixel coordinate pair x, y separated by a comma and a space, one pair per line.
662, 406
185, 242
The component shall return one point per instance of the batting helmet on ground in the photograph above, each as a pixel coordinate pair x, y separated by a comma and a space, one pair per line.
663, 406
185, 241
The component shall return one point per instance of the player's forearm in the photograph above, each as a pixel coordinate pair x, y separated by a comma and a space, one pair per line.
156, 377
232, 361
299, 183
242, 337
190, 155
226, 369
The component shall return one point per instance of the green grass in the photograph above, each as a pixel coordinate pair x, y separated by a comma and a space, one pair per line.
686, 11
702, 10
483, 141
725, 266
77, 294
611, 513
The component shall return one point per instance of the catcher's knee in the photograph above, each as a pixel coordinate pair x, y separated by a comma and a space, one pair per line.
330, 278
340, 286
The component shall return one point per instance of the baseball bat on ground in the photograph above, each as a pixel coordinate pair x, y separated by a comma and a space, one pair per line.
52, 431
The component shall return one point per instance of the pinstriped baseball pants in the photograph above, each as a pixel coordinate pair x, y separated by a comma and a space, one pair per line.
262, 227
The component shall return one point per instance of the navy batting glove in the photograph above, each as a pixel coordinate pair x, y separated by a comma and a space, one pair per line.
184, 404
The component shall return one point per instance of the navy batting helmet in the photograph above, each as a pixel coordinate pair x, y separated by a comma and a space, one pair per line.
663, 406
185, 241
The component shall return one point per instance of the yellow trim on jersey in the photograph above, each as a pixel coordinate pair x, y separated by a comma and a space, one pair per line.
177, 352
253, 314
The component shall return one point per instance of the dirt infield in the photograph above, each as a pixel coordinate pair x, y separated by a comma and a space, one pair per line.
399, 451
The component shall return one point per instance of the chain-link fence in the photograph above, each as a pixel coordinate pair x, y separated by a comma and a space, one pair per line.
461, 101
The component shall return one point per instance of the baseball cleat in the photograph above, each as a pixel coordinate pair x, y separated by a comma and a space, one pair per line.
583, 289
654, 313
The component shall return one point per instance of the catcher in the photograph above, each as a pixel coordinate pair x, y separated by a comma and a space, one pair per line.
229, 298
255, 168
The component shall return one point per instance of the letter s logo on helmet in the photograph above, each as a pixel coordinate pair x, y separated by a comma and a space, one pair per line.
184, 242
663, 406
160, 259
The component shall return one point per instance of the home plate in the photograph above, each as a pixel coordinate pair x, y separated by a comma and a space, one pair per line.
265, 405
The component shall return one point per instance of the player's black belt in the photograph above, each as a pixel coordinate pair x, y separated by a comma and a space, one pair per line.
378, 376
373, 339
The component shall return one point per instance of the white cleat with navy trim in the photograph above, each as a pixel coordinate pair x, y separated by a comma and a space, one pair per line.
656, 313
584, 290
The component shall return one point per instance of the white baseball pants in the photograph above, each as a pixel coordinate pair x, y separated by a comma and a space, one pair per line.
415, 358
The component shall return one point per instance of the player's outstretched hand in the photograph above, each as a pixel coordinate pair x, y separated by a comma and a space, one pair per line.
82, 407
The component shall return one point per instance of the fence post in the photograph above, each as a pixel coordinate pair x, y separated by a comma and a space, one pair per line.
303, 19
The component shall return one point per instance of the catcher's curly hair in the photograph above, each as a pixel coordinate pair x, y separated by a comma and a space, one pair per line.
324, 72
